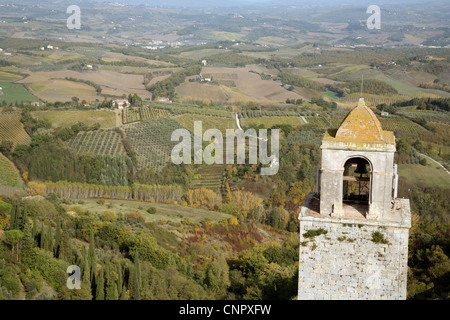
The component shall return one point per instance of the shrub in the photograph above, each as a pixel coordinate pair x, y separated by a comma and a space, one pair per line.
136, 216
312, 233
378, 237
101, 201
9, 281
109, 216
151, 210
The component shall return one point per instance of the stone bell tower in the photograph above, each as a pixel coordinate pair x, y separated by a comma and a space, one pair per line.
354, 230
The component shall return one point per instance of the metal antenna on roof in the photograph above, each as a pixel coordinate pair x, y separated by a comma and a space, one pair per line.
362, 82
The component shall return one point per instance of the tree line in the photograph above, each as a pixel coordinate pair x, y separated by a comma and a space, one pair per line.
166, 87
140, 192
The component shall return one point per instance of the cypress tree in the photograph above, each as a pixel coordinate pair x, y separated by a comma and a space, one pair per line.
119, 279
50, 239
64, 247
111, 286
28, 241
34, 230
12, 220
92, 255
43, 240
20, 217
123, 295
137, 281
100, 286
57, 237
86, 274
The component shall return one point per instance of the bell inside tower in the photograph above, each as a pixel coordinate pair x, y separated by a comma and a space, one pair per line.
356, 182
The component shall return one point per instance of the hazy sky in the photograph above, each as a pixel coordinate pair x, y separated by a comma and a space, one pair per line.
220, 3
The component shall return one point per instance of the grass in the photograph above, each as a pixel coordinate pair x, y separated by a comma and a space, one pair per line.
331, 94
226, 36
303, 72
208, 122
353, 68
430, 175
199, 54
65, 118
6, 76
64, 90
268, 122
37, 86
13, 92
169, 212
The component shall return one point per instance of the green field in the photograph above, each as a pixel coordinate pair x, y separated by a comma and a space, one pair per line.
352, 68
169, 212
331, 94
268, 122
66, 118
208, 122
13, 92
430, 175
6, 76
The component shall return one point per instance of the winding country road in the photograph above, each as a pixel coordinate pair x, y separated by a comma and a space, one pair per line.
445, 169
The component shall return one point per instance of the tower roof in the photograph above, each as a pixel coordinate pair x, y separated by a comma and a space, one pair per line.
361, 124
360, 130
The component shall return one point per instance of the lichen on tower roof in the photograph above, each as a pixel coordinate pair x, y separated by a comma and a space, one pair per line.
360, 124
360, 130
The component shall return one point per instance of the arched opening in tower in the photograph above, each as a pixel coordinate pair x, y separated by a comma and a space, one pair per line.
356, 184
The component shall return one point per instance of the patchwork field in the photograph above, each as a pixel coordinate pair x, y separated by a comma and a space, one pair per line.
117, 56
248, 85
11, 129
6, 76
403, 82
200, 54
52, 84
63, 90
404, 127
151, 140
102, 142
414, 78
66, 118
201, 91
208, 122
268, 122
13, 92
130, 115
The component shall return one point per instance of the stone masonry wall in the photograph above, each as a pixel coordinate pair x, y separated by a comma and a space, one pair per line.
346, 264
